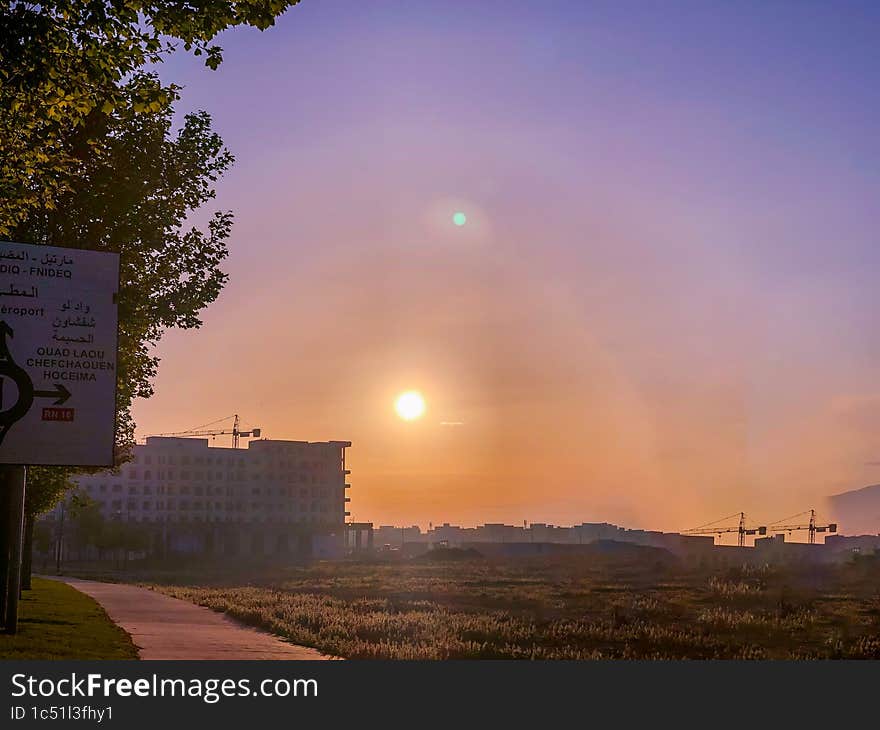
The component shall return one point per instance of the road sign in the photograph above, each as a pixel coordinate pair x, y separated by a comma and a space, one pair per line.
57, 355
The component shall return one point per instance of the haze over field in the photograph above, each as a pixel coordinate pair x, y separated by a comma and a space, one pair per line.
658, 308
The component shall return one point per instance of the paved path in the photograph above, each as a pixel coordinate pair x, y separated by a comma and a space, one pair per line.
162, 627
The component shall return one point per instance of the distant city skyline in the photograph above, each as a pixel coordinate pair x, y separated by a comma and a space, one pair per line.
626, 254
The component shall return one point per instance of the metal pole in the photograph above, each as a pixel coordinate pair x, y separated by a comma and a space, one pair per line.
16, 486
5, 541
60, 540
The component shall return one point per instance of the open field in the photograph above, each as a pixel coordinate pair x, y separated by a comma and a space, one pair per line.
58, 622
556, 609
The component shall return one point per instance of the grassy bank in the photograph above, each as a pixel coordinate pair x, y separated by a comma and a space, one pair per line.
561, 610
58, 622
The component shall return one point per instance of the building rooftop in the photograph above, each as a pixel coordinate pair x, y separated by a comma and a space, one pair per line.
197, 444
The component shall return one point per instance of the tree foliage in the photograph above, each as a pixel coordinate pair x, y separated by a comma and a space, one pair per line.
45, 485
134, 199
61, 61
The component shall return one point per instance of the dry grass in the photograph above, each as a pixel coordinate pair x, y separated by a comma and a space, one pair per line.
560, 609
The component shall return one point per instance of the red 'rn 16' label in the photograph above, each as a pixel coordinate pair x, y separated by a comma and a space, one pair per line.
58, 414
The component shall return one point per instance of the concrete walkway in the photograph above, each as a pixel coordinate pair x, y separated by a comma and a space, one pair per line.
162, 627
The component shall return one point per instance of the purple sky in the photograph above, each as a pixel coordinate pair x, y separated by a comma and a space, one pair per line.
662, 307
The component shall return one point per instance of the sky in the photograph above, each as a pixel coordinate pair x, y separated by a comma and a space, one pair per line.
660, 310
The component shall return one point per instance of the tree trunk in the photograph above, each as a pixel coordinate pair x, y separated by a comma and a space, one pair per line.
28, 554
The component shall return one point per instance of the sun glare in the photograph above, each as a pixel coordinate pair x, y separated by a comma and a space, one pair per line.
410, 405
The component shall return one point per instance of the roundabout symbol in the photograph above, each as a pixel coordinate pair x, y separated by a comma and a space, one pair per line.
9, 369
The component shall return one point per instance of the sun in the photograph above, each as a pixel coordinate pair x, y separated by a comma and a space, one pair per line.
410, 405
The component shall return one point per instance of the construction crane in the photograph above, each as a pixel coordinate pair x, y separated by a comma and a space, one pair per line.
236, 431
713, 528
811, 526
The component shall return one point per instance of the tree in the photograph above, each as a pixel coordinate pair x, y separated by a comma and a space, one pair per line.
45, 486
122, 538
86, 524
42, 537
64, 62
134, 199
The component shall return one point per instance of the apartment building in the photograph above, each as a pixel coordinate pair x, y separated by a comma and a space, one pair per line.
271, 497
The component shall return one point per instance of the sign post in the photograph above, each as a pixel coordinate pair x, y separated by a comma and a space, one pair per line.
15, 483
58, 347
